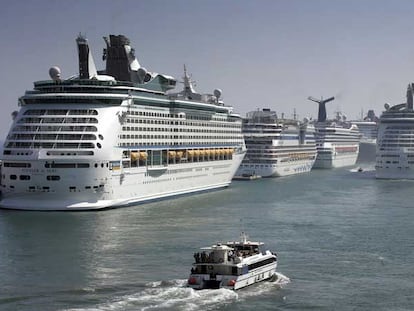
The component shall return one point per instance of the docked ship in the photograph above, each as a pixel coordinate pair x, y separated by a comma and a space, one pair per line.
116, 137
368, 128
337, 141
276, 146
395, 142
233, 265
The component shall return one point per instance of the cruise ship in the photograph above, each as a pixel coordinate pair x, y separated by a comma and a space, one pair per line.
276, 146
337, 142
116, 137
395, 142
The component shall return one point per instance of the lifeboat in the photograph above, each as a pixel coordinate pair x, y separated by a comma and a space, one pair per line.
190, 153
179, 154
134, 156
171, 154
143, 155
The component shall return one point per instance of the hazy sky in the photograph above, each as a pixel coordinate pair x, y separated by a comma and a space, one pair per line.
261, 53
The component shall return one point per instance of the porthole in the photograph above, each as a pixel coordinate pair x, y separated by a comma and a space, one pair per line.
99, 145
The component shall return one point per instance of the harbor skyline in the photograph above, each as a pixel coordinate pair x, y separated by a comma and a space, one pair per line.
261, 54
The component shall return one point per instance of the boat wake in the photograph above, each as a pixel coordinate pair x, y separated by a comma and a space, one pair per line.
175, 295
281, 279
363, 172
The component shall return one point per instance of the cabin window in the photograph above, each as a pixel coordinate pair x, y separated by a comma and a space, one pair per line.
234, 271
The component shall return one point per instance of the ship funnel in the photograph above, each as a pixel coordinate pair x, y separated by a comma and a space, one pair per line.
410, 96
121, 62
87, 68
322, 107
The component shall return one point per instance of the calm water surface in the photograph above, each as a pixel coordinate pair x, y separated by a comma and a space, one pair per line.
344, 239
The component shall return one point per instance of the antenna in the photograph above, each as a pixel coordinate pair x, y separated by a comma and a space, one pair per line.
322, 107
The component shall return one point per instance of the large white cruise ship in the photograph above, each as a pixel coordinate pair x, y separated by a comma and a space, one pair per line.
395, 142
276, 147
116, 137
337, 142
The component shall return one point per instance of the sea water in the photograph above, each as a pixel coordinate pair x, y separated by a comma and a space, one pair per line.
343, 238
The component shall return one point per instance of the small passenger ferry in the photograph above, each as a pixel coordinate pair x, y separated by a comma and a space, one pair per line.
232, 265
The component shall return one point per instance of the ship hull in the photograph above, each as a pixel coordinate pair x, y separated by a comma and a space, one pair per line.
333, 157
204, 281
402, 168
127, 187
367, 151
394, 173
275, 170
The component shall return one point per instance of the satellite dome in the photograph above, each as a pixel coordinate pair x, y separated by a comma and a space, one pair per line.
386, 106
217, 93
54, 73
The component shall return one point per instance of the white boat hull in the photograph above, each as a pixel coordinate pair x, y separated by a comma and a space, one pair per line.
335, 162
235, 282
329, 158
123, 187
275, 170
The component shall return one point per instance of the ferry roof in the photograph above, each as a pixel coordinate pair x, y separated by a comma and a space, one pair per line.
251, 243
218, 247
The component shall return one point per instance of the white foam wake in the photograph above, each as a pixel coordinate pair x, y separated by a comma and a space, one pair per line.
174, 295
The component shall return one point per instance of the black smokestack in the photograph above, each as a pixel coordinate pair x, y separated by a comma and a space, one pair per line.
83, 50
322, 112
322, 107
410, 96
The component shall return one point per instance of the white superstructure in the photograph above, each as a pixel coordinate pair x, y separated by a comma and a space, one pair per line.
116, 137
276, 147
232, 265
337, 142
395, 143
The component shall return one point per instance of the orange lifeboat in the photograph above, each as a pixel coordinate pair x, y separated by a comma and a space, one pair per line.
134, 156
